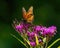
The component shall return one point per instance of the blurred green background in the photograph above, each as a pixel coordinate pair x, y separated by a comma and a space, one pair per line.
46, 12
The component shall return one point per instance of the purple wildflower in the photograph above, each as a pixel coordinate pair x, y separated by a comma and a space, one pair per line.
37, 29
33, 44
31, 34
43, 31
40, 40
51, 30
26, 26
19, 27
48, 31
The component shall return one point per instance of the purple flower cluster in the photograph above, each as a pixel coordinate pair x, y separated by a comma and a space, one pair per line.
38, 30
48, 31
33, 43
22, 26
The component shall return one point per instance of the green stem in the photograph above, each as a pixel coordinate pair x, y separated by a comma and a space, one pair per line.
46, 44
19, 40
24, 39
54, 43
41, 46
31, 47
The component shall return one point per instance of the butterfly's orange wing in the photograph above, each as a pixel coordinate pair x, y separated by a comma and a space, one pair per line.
28, 16
24, 13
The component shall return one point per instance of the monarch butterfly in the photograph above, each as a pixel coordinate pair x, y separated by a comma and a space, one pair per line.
28, 16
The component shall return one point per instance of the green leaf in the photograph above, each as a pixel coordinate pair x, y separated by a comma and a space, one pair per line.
37, 42
19, 40
58, 47
44, 40
54, 42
